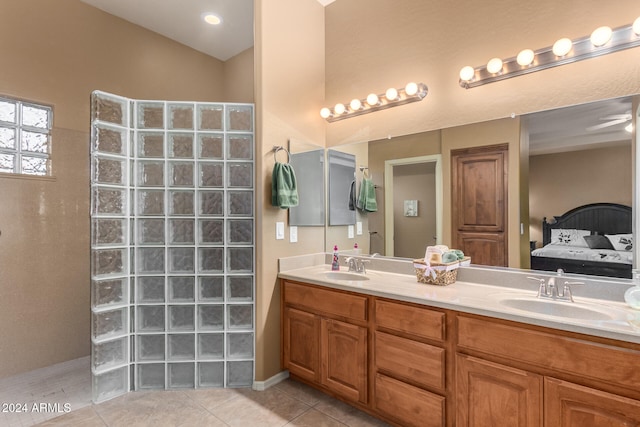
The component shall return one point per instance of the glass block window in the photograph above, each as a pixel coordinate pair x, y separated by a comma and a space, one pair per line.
25, 137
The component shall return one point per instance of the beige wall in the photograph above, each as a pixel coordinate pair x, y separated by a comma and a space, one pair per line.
289, 92
402, 147
374, 45
412, 234
238, 77
57, 53
563, 181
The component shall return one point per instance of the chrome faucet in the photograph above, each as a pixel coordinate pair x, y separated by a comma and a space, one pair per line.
357, 265
550, 289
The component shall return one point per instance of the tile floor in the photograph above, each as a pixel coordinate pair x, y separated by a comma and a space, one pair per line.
288, 403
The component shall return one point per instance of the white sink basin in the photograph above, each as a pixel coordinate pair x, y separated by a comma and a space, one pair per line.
344, 275
572, 310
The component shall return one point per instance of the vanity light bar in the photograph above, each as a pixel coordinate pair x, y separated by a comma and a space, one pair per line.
393, 97
565, 51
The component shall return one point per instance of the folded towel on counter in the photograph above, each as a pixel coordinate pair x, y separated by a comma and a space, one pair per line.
442, 254
367, 197
352, 196
448, 257
435, 253
458, 253
284, 189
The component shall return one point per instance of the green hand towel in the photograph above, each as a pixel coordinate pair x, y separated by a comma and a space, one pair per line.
284, 190
367, 198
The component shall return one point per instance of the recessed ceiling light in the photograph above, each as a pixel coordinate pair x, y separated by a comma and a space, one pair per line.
212, 19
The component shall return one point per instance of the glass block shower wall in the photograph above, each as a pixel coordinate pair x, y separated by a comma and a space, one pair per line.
172, 256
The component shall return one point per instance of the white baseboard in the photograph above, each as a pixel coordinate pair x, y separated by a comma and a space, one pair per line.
263, 385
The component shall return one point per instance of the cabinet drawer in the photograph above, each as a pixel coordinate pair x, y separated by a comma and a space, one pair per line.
325, 301
410, 360
604, 363
409, 405
410, 319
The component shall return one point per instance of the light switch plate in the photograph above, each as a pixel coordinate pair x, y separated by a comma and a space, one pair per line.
359, 228
350, 231
293, 234
279, 230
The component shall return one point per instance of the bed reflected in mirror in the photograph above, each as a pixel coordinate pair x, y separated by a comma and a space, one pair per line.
580, 188
594, 239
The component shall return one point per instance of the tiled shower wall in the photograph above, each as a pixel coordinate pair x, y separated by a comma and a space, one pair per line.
172, 263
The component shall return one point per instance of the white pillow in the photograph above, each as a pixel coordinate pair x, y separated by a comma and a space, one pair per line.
621, 242
569, 237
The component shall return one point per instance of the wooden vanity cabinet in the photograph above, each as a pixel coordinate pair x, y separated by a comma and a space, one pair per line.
414, 365
511, 374
325, 339
409, 364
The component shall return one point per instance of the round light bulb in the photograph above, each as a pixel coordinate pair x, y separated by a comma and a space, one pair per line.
355, 104
339, 108
372, 99
525, 57
325, 113
411, 89
467, 73
494, 65
601, 36
391, 94
212, 19
562, 47
636, 26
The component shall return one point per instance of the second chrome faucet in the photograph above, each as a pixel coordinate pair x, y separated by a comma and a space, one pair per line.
551, 288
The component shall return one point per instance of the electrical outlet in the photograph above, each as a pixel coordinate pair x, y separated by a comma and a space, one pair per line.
279, 230
293, 234
359, 228
350, 231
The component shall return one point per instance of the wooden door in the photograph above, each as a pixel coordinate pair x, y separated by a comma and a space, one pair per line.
301, 344
344, 359
479, 203
489, 394
571, 405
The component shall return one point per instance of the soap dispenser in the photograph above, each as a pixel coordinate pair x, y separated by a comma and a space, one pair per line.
335, 262
632, 295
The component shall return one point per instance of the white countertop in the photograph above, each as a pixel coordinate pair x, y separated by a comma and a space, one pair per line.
475, 298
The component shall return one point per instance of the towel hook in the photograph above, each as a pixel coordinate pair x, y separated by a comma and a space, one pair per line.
277, 148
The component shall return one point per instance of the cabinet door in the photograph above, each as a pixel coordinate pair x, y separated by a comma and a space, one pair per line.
479, 203
484, 248
344, 359
571, 405
489, 394
301, 344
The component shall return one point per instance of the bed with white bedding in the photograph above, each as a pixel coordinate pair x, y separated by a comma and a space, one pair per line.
592, 239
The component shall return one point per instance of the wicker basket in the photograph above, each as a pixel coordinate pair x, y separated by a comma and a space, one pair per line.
440, 274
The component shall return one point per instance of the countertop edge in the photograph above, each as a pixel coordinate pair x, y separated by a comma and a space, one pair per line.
571, 325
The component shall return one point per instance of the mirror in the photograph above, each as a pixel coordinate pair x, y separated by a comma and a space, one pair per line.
308, 163
342, 175
577, 155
